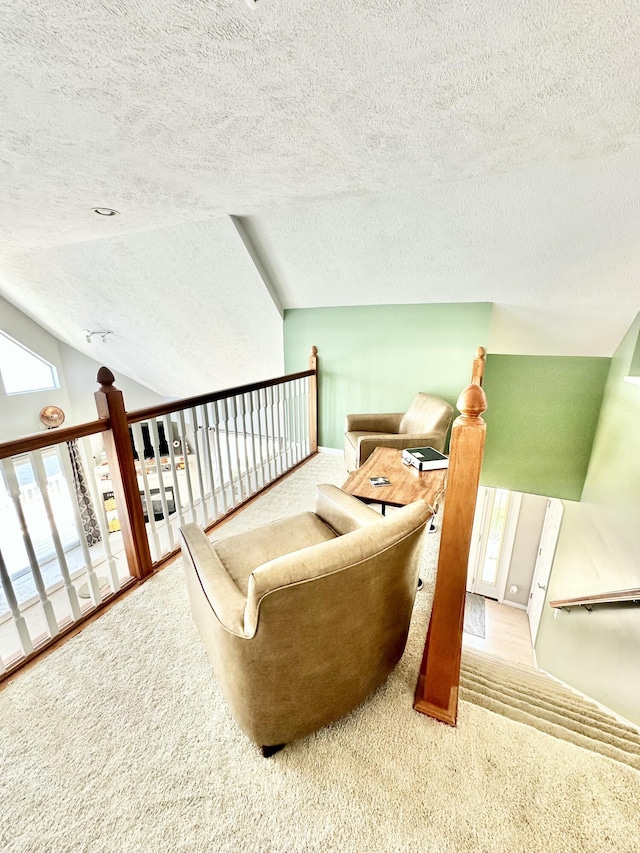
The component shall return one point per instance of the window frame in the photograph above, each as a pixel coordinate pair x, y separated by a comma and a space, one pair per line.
55, 380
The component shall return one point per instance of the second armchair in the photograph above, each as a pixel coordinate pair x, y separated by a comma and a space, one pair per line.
424, 424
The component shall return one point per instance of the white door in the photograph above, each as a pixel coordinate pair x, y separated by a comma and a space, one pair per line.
544, 562
494, 528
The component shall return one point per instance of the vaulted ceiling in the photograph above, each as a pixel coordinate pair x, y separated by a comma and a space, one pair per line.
375, 151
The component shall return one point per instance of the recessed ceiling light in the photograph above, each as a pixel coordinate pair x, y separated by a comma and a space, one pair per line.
104, 211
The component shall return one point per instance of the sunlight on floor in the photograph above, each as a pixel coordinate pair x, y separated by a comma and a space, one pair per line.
507, 634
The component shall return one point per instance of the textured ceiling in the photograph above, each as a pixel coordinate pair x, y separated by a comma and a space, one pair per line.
188, 311
556, 249
395, 121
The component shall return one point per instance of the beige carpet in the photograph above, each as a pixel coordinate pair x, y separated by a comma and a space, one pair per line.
119, 741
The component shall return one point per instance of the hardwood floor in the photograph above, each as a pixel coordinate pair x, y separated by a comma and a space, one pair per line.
507, 634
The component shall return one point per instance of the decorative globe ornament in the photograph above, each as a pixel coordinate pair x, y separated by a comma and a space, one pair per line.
51, 417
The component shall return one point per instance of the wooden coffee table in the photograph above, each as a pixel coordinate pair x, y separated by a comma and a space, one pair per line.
407, 484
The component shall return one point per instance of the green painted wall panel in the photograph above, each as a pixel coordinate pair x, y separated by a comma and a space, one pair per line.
597, 551
375, 358
541, 422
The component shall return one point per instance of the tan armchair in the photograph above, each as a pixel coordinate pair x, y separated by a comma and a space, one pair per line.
424, 424
304, 617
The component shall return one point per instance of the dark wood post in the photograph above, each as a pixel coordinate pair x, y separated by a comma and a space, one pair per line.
437, 689
313, 401
124, 479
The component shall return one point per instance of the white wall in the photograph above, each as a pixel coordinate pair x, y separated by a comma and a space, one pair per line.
81, 371
19, 412
76, 374
525, 547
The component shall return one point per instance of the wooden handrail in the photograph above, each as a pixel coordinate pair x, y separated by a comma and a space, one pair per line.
49, 437
437, 689
618, 596
137, 415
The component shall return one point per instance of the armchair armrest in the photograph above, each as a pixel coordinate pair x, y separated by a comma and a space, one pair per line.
226, 600
341, 511
335, 555
386, 422
367, 444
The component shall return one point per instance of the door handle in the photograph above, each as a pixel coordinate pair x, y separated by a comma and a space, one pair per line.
541, 587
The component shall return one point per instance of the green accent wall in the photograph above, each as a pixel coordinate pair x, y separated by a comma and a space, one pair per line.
375, 358
541, 422
598, 551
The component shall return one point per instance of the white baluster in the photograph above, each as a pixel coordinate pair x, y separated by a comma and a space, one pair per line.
152, 530
296, 421
14, 491
187, 464
12, 601
101, 515
208, 461
247, 433
168, 431
198, 440
154, 435
37, 464
264, 436
258, 455
271, 425
243, 438
214, 420
224, 417
233, 418
287, 424
305, 412
276, 427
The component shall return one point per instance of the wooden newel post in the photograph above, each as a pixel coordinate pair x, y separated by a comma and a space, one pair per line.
313, 401
479, 363
124, 479
437, 689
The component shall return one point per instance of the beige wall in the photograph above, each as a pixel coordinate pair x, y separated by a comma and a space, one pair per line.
599, 551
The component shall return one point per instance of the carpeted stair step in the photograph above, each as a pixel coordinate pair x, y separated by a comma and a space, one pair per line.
540, 687
577, 712
491, 670
524, 676
589, 728
536, 688
528, 696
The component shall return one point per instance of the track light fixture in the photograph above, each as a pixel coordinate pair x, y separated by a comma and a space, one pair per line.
102, 332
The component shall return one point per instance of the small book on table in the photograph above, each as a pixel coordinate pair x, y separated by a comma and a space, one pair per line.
379, 481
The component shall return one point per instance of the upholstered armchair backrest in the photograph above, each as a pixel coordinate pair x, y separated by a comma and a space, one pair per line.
426, 414
322, 626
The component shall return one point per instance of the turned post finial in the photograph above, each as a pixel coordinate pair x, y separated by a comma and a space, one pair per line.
314, 352
472, 402
105, 378
479, 362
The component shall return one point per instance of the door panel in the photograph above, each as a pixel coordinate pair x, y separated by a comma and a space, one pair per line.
542, 571
492, 541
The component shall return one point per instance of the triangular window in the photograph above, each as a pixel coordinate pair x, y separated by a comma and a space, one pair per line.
23, 370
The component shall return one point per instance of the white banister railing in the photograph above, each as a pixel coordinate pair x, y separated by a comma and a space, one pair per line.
200, 462
48, 570
87, 511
